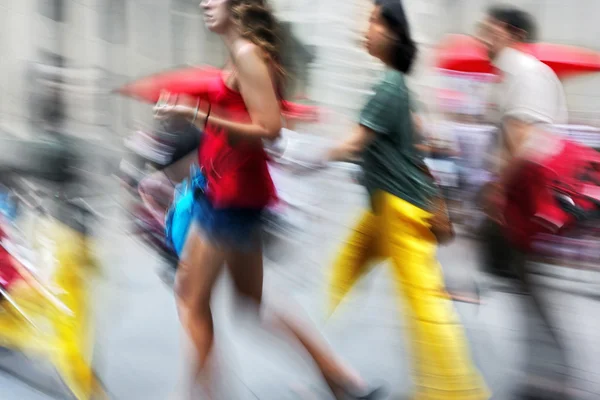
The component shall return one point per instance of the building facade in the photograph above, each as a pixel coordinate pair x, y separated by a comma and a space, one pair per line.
108, 42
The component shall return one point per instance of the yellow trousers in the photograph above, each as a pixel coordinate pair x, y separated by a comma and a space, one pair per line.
399, 231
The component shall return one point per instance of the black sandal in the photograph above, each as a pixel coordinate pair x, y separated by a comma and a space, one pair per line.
372, 392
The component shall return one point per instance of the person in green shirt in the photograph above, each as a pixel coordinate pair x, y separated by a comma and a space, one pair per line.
397, 225
391, 162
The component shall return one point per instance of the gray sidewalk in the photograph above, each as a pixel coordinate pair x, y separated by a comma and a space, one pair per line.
367, 331
140, 347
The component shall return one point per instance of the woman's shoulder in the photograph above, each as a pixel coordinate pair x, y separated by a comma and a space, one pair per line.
393, 83
250, 60
245, 51
394, 78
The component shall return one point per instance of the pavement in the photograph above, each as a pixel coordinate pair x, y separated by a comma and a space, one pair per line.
141, 352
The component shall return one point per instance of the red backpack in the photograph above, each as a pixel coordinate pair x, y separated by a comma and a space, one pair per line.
552, 195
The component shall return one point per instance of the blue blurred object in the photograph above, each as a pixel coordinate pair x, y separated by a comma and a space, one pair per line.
180, 214
232, 226
8, 205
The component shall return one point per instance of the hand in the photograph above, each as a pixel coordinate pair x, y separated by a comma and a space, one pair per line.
166, 108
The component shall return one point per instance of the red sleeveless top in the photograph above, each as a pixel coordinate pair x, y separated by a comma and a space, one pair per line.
237, 174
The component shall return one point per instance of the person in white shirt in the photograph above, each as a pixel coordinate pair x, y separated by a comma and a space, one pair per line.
530, 98
530, 94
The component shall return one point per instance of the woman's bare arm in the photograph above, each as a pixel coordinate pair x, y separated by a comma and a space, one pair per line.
258, 92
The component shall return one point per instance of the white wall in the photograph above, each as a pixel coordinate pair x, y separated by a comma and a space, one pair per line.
17, 33
130, 38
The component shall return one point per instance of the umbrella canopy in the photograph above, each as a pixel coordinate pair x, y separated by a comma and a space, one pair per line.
466, 54
463, 53
195, 82
191, 81
564, 60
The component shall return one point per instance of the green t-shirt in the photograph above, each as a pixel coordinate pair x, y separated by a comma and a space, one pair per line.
391, 162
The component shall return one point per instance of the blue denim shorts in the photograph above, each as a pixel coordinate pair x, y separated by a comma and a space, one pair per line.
233, 227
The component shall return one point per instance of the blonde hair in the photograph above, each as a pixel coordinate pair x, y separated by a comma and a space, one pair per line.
258, 25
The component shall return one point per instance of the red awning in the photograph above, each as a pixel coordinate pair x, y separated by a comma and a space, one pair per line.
466, 54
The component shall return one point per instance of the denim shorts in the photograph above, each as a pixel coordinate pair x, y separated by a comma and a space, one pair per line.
238, 228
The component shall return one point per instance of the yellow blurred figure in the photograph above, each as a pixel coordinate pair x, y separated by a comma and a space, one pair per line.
397, 226
399, 231
53, 317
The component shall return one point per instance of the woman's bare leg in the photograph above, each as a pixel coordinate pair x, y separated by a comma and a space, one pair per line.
247, 271
200, 265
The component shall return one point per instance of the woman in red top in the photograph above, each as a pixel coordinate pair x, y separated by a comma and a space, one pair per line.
234, 185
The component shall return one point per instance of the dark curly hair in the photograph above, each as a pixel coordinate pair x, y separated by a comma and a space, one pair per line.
258, 25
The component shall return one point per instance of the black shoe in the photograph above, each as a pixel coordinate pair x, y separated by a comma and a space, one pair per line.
373, 392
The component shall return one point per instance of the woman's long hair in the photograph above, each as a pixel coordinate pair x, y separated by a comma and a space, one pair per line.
405, 49
258, 25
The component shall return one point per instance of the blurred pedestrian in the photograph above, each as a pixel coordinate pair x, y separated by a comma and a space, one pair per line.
530, 98
397, 226
233, 186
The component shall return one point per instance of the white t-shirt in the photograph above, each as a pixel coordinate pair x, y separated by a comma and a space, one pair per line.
529, 92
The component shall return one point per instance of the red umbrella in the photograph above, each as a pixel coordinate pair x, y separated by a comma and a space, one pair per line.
192, 81
466, 54
463, 53
195, 82
564, 60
